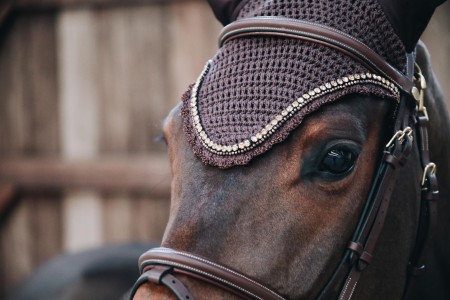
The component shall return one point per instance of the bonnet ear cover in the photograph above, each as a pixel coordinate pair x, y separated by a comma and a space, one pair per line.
409, 18
226, 10
258, 89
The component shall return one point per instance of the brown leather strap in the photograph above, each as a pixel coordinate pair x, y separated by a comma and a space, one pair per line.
427, 226
162, 275
205, 270
430, 194
318, 33
364, 244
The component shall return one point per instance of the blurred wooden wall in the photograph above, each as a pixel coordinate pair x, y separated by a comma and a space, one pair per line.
84, 86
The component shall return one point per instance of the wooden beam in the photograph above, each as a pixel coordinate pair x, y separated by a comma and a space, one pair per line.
148, 174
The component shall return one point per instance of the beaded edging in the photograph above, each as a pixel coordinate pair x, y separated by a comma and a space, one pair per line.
284, 115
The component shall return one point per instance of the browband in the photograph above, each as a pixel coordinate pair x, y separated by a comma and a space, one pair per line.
318, 33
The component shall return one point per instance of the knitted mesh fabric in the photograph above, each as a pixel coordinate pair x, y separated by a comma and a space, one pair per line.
364, 20
251, 80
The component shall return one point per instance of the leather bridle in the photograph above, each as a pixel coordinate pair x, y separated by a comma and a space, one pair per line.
161, 265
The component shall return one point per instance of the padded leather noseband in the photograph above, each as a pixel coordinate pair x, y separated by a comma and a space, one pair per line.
166, 262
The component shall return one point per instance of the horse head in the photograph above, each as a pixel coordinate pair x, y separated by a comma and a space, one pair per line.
313, 187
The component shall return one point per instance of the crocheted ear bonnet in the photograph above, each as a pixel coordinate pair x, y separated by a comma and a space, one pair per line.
257, 89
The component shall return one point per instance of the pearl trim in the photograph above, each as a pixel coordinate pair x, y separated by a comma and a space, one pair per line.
284, 115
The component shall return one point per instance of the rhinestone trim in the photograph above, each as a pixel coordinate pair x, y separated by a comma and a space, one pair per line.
284, 115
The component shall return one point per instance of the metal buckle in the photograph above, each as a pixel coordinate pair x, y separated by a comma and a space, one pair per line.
418, 91
400, 136
429, 169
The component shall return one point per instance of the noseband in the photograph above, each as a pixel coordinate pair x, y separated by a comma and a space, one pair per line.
158, 263
161, 265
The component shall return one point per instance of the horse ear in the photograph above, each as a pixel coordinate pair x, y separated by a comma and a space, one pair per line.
226, 10
409, 18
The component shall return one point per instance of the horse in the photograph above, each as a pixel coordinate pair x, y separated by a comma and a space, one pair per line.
318, 215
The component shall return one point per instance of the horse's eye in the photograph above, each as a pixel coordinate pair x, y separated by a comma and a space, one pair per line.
338, 161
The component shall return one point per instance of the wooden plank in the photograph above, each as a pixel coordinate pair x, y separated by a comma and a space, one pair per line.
29, 237
13, 115
118, 218
147, 174
150, 218
82, 209
192, 40
46, 223
83, 220
41, 85
16, 247
131, 79
79, 109
132, 96
28, 87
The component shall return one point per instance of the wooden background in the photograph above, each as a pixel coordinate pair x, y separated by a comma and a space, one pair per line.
84, 86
